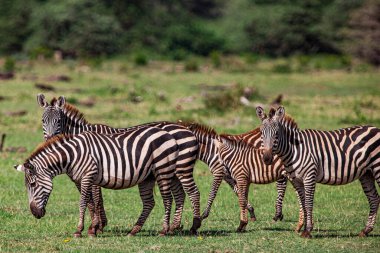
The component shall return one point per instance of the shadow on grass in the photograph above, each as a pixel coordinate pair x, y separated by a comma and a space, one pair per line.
117, 232
334, 235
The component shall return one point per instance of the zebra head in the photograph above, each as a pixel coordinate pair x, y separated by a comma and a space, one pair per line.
269, 131
52, 117
39, 186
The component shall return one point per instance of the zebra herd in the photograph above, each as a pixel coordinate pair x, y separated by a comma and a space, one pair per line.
96, 156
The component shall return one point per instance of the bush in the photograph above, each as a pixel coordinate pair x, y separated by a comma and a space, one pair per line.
282, 68
364, 32
216, 59
75, 27
192, 65
141, 59
9, 65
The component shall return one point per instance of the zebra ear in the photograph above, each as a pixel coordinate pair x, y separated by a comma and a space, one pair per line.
280, 113
19, 167
60, 102
41, 100
260, 113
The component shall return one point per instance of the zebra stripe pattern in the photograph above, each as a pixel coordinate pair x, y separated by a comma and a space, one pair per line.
62, 118
329, 157
245, 166
209, 152
116, 161
253, 138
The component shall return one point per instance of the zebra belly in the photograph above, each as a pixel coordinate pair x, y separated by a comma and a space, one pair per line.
114, 179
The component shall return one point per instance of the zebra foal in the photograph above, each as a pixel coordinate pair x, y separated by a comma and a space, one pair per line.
328, 157
118, 161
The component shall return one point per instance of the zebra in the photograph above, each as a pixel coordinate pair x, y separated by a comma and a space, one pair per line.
60, 117
245, 166
253, 138
329, 157
115, 161
209, 152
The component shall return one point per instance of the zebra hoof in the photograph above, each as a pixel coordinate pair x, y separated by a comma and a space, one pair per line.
278, 217
253, 219
197, 222
242, 227
175, 228
306, 234
77, 234
363, 234
130, 235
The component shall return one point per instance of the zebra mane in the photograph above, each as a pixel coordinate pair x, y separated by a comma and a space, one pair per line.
289, 122
235, 142
192, 126
74, 114
49, 143
239, 136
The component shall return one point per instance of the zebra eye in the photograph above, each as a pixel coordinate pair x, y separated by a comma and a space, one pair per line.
33, 184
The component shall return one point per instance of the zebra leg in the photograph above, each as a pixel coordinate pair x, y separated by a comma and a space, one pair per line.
231, 182
217, 180
85, 193
146, 195
299, 187
90, 206
281, 187
103, 216
167, 198
301, 217
309, 185
187, 181
368, 184
243, 187
95, 223
179, 199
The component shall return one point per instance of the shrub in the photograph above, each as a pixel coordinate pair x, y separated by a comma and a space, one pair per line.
191, 65
141, 59
282, 68
9, 65
364, 32
216, 59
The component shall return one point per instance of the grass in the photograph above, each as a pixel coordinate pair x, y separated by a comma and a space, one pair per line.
317, 99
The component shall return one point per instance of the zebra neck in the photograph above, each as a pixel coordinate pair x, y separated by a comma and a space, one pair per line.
288, 142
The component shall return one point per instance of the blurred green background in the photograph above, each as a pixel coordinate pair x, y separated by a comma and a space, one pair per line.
175, 29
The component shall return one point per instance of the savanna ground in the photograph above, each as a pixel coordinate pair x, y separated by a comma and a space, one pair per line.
127, 95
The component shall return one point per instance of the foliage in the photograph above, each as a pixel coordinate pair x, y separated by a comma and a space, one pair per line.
141, 59
364, 32
9, 65
75, 27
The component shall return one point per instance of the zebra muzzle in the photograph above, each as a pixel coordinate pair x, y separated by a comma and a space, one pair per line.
37, 212
267, 157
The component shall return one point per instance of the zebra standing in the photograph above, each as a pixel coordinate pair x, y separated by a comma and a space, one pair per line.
62, 118
245, 166
329, 157
116, 161
209, 152
253, 138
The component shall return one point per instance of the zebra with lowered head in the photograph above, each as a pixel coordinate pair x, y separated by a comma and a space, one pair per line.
60, 117
117, 161
328, 157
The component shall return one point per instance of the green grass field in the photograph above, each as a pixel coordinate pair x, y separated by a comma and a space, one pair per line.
316, 99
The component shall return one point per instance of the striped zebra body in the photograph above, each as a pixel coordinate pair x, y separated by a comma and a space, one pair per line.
245, 167
116, 161
253, 138
328, 157
62, 118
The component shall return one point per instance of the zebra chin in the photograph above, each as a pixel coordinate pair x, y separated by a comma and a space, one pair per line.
37, 212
